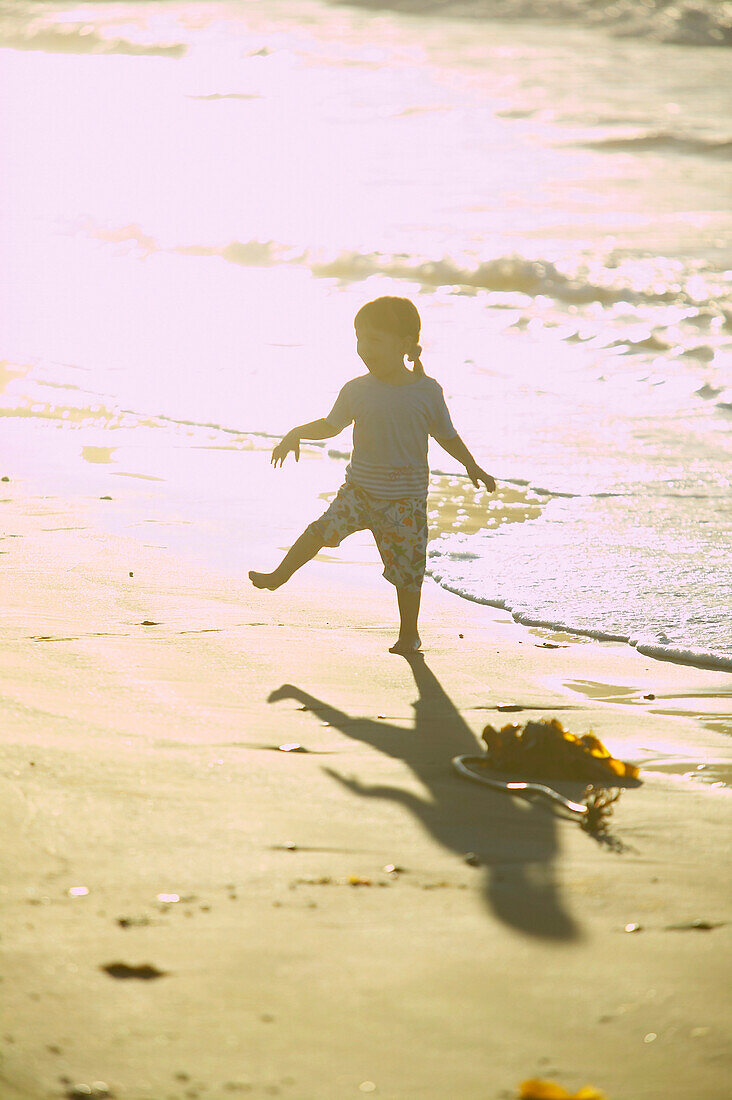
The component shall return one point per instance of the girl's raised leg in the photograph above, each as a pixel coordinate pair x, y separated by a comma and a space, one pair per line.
409, 640
301, 552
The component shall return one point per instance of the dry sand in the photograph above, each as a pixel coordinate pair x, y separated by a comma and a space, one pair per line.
141, 761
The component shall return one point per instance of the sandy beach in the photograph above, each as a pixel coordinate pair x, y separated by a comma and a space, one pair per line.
190, 912
236, 857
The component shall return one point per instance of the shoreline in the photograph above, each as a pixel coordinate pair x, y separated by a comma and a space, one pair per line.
190, 455
142, 716
704, 660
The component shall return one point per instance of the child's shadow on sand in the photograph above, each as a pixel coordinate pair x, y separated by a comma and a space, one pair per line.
515, 842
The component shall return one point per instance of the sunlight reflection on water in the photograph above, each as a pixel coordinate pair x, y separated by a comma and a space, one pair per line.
199, 198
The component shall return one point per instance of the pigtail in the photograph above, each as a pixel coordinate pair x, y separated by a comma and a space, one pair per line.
413, 355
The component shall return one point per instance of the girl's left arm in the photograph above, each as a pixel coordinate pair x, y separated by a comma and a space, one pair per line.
457, 449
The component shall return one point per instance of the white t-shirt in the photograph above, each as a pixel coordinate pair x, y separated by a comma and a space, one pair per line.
391, 428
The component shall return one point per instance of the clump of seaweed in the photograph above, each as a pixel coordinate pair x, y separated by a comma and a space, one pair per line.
547, 749
544, 749
599, 803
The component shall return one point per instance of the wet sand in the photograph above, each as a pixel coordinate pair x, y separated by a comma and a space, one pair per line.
143, 702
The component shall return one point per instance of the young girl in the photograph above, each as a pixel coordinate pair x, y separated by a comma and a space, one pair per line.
394, 410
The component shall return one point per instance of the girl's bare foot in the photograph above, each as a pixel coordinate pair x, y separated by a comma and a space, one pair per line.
265, 580
406, 646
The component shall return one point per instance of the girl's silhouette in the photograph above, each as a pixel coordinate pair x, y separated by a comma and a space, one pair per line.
394, 411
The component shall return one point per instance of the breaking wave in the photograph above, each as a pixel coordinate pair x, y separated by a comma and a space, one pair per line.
655, 647
684, 22
80, 39
662, 141
504, 274
513, 274
637, 282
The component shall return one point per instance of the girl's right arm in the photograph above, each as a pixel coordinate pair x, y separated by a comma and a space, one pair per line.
316, 429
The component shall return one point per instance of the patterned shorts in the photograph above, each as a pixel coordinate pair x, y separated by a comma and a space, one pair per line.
398, 526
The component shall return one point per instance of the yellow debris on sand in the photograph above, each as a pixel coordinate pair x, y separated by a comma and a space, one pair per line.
549, 1090
547, 749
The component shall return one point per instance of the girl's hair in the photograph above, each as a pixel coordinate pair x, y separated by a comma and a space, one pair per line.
398, 316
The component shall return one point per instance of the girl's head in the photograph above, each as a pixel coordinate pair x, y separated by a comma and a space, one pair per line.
387, 330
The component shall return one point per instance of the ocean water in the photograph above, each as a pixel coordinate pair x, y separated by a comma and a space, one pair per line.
198, 197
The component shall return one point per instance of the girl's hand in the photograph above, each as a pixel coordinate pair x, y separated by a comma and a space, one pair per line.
477, 475
288, 443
